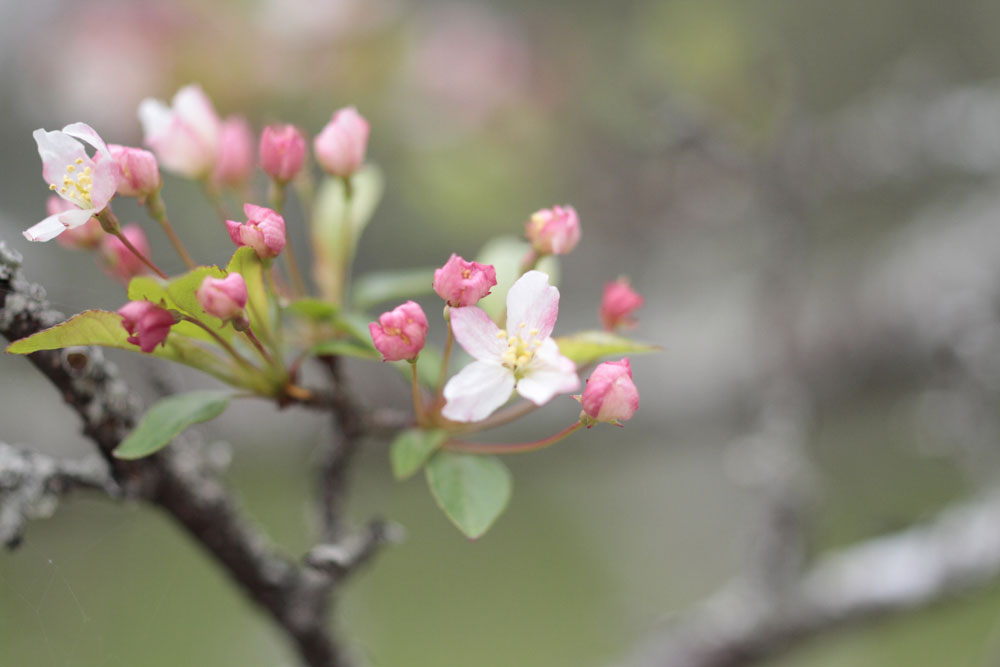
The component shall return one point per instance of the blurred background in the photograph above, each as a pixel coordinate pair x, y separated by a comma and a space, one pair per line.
805, 192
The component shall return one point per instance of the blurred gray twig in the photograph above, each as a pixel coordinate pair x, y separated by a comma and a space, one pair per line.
32, 483
954, 553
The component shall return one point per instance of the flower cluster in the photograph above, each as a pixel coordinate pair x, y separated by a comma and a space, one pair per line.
255, 322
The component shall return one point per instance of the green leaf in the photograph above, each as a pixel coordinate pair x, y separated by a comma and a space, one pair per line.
505, 253
182, 291
313, 309
104, 328
179, 294
373, 288
326, 228
471, 490
167, 419
589, 346
411, 449
345, 348
246, 263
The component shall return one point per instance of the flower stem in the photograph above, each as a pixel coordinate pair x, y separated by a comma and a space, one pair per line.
214, 196
418, 404
158, 211
248, 332
346, 240
221, 341
291, 263
443, 375
109, 223
510, 448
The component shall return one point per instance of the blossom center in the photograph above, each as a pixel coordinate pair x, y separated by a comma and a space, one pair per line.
77, 184
521, 347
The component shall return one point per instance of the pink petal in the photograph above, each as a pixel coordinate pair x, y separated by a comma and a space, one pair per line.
532, 301
548, 374
477, 333
475, 392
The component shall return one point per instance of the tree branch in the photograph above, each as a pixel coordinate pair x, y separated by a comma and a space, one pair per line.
175, 479
31, 485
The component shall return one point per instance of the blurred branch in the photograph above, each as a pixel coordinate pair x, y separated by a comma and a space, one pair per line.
176, 479
957, 552
31, 485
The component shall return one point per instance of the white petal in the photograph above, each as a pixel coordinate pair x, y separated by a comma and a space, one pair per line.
46, 230
77, 216
549, 373
86, 133
533, 302
57, 150
193, 106
477, 333
475, 392
155, 117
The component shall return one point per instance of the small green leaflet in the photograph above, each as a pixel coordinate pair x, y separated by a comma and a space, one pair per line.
313, 309
411, 449
589, 346
378, 287
167, 419
471, 490
345, 348
505, 253
330, 214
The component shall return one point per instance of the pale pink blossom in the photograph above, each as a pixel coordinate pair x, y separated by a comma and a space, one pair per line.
610, 395
138, 173
400, 333
282, 152
340, 146
147, 324
463, 283
234, 162
264, 231
85, 237
118, 261
523, 356
185, 135
618, 304
554, 231
224, 298
88, 183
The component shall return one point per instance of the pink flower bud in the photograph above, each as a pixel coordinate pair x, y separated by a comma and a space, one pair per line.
118, 261
618, 304
463, 283
264, 231
340, 146
282, 151
224, 298
146, 324
234, 162
138, 172
554, 231
610, 394
85, 237
400, 333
